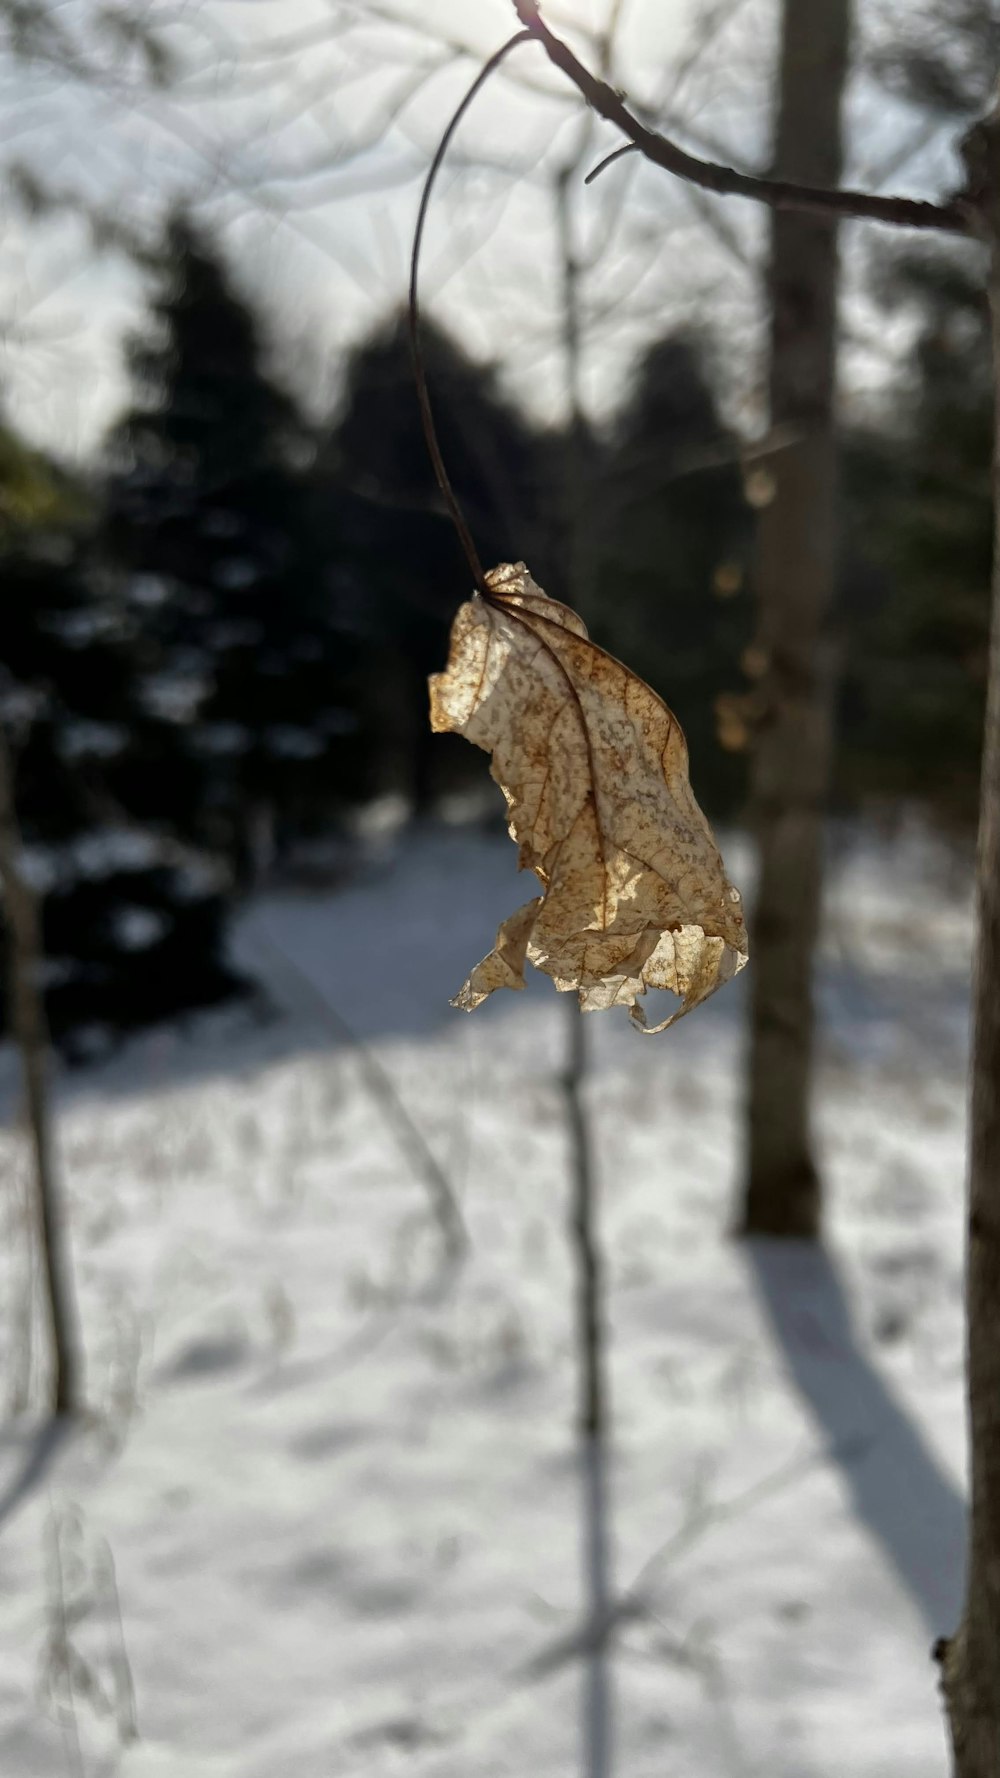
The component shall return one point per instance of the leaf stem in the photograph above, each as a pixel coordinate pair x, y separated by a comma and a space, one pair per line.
419, 370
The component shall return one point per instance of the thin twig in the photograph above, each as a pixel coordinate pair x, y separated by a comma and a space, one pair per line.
616, 154
411, 1140
780, 194
121, 1668
59, 1655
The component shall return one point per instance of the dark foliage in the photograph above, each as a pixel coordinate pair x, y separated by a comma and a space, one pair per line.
921, 520
671, 536
405, 574
919, 492
229, 583
132, 924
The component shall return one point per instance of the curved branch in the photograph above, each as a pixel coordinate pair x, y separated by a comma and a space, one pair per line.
953, 218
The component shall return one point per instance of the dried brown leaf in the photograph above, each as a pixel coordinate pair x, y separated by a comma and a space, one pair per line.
594, 769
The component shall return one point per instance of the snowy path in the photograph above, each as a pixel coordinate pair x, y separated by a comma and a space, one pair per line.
342, 1505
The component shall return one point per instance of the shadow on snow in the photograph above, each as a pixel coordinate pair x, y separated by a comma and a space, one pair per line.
912, 1509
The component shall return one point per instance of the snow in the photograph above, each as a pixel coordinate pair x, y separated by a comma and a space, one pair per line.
236, 572
174, 696
79, 627
236, 632
289, 742
104, 851
95, 853
223, 737
339, 1483
101, 740
136, 928
150, 590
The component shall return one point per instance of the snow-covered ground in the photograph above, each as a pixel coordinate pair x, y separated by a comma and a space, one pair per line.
326, 1520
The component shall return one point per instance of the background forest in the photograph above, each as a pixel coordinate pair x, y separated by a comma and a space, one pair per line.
217, 637
317, 1507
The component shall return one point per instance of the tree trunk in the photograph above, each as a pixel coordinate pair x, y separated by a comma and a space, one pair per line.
592, 1412
795, 576
971, 1660
579, 565
29, 1030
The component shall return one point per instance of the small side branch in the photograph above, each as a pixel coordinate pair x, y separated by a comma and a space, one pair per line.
953, 218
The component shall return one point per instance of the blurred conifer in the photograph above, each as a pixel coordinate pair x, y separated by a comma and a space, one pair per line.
918, 488
132, 922
671, 536
230, 587
404, 574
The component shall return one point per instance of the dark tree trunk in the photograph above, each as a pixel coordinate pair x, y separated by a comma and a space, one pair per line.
971, 1660
795, 577
30, 1032
592, 1410
584, 1226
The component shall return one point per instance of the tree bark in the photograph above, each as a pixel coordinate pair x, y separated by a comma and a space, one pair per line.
970, 1661
30, 1032
592, 1412
796, 556
592, 1415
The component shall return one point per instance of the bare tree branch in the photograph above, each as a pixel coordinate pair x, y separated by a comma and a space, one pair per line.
953, 217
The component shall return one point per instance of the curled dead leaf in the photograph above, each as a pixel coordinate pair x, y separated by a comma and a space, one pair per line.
594, 769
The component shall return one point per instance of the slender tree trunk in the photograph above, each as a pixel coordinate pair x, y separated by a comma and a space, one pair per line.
592, 1413
970, 1661
28, 1026
578, 490
583, 1229
795, 576
592, 1416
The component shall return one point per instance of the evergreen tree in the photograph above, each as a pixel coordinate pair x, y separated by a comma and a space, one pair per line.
404, 574
210, 514
918, 492
921, 514
671, 534
132, 927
